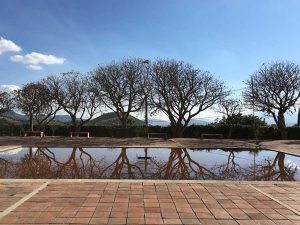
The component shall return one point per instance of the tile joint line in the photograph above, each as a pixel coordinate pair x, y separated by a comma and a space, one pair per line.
276, 200
24, 199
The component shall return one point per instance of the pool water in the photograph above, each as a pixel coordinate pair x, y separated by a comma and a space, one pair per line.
148, 163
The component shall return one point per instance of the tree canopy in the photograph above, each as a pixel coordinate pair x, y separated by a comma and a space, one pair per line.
274, 89
181, 92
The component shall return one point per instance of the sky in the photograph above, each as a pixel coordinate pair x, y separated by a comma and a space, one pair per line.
229, 38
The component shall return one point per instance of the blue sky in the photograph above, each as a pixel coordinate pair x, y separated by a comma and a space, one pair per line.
231, 39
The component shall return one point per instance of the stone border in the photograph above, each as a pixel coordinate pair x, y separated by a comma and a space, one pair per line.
228, 182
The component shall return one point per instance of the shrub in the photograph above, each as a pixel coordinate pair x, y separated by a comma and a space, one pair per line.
193, 131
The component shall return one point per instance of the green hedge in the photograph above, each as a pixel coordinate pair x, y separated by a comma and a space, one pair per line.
194, 131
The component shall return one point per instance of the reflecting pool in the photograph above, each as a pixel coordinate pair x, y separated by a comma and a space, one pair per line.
148, 163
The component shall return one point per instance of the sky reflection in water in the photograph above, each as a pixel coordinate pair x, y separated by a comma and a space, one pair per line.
148, 163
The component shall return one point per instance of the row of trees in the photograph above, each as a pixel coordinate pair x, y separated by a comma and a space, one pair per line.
174, 88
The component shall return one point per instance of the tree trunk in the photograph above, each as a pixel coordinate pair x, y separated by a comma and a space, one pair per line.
124, 120
78, 128
230, 131
284, 174
40, 127
281, 126
30, 152
298, 124
75, 126
177, 130
31, 122
146, 110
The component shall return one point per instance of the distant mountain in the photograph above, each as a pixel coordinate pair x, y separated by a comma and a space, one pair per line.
14, 116
109, 119
4, 121
196, 121
164, 123
62, 118
158, 122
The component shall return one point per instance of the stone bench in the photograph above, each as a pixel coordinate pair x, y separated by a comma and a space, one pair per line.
79, 134
34, 133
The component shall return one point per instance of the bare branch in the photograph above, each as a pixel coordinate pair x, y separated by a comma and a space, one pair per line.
181, 92
274, 89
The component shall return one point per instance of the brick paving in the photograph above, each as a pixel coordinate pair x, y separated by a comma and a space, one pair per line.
154, 203
10, 193
286, 193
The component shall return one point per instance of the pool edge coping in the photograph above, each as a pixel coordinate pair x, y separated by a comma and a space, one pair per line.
229, 182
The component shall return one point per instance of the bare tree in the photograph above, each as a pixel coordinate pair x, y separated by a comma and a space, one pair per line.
6, 102
72, 92
34, 100
274, 89
48, 107
120, 87
26, 100
231, 109
181, 92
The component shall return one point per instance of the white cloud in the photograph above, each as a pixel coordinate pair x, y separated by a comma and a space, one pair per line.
292, 164
34, 67
8, 87
34, 59
8, 46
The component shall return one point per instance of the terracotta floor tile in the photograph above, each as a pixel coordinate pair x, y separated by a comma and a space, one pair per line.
118, 214
153, 215
154, 221
191, 221
172, 221
135, 221
152, 203
81, 220
117, 221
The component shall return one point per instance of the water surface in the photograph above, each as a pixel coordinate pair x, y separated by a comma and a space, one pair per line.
148, 163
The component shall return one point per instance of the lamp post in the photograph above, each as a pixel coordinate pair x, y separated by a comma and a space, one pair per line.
298, 124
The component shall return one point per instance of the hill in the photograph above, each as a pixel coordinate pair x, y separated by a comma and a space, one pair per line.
4, 121
111, 119
164, 123
14, 116
63, 118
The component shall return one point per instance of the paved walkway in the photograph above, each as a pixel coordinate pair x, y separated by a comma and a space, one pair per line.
151, 202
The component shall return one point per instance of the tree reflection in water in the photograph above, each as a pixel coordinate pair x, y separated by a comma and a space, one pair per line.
80, 163
230, 170
122, 162
43, 163
276, 169
5, 168
180, 165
